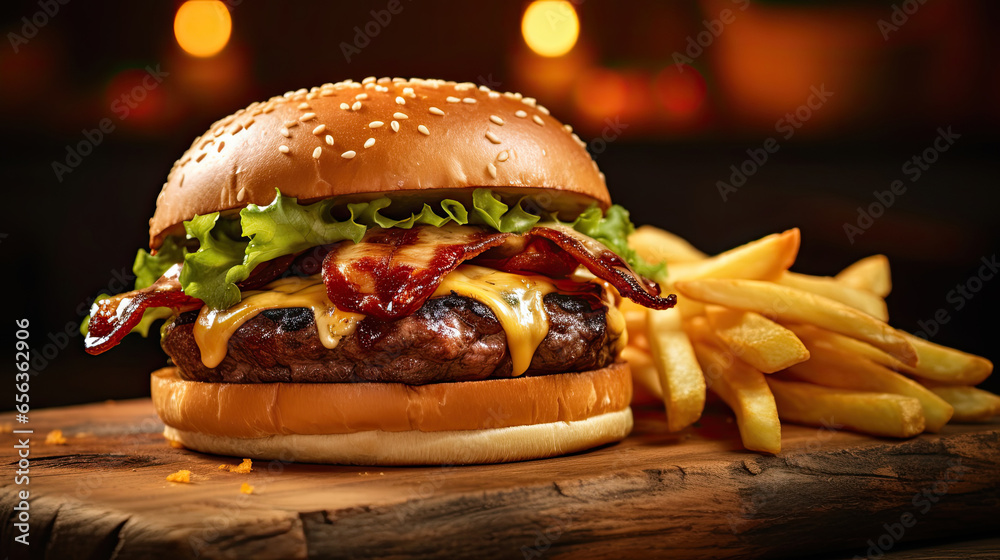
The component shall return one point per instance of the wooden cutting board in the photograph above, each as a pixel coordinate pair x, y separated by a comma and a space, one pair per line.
692, 495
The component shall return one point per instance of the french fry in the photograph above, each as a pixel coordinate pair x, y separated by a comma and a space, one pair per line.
935, 362
745, 390
758, 341
945, 364
879, 414
828, 287
971, 404
870, 274
635, 323
643, 370
842, 370
765, 258
657, 245
681, 381
791, 305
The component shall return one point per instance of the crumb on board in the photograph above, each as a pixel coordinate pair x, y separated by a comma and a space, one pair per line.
55, 437
175, 444
243, 468
246, 488
180, 476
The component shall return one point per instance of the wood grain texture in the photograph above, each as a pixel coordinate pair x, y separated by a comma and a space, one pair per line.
692, 495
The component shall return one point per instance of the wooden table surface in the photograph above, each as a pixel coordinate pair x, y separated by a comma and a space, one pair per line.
691, 495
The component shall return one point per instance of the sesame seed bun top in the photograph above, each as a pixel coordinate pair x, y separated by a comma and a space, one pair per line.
355, 139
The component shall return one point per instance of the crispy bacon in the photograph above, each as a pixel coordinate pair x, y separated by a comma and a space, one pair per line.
606, 265
392, 272
532, 255
111, 319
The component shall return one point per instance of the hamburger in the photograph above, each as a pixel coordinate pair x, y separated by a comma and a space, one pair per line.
387, 272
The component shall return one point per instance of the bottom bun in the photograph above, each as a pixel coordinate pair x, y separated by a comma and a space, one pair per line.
490, 421
457, 447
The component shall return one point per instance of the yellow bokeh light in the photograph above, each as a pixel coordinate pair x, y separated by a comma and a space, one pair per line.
550, 27
202, 27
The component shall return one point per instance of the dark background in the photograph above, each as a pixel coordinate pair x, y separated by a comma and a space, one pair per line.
64, 241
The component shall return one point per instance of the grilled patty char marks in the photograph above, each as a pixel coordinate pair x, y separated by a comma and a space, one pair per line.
450, 338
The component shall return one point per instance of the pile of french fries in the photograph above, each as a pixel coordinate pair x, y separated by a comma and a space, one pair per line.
777, 345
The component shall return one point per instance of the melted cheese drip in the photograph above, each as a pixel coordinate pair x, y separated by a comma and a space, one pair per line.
516, 300
214, 327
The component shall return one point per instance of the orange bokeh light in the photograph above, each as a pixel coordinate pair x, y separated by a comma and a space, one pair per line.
601, 93
202, 27
681, 90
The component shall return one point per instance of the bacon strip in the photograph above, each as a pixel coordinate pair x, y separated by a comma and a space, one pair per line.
392, 272
113, 318
606, 265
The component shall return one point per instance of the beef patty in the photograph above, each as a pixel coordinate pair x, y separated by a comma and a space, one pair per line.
450, 338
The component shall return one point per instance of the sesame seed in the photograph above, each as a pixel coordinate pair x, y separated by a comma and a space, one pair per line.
529, 101
436, 111
492, 169
408, 91
361, 96
521, 114
395, 126
307, 117
452, 99
538, 120
368, 80
568, 128
423, 130
400, 100
326, 93
304, 106
492, 137
496, 120
319, 129
290, 124
356, 106
348, 154
329, 140
317, 152
283, 149
468, 100
285, 133
502, 156
241, 194
375, 124
202, 155
369, 142
345, 106
400, 116
494, 95
542, 109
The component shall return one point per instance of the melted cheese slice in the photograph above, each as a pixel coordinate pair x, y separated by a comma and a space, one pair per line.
516, 301
214, 327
